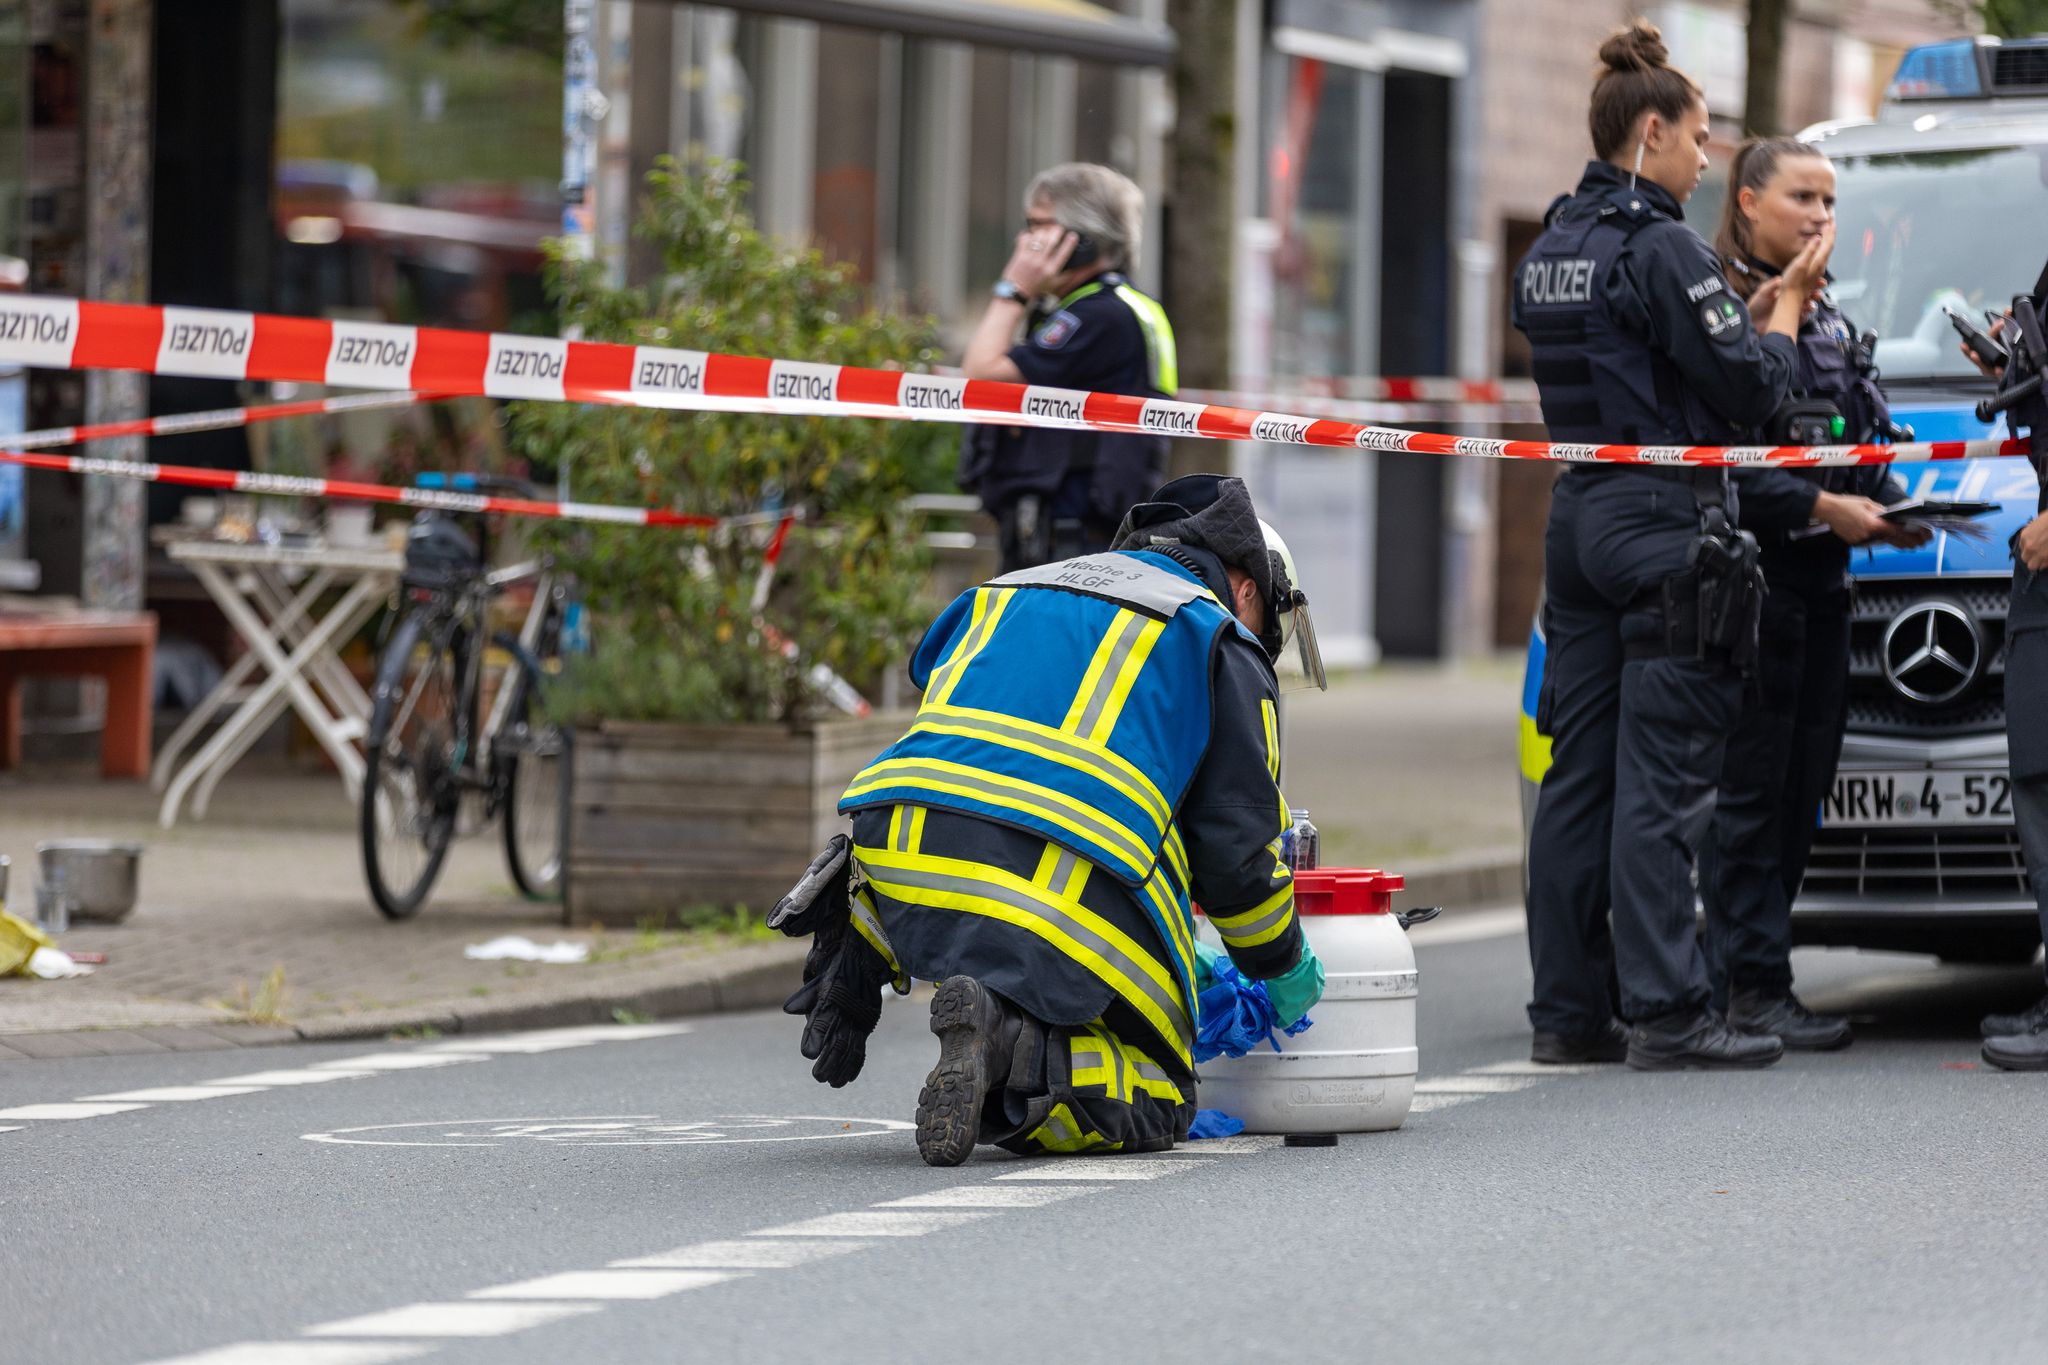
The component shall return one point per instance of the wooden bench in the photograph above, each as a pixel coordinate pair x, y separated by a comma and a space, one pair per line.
113, 645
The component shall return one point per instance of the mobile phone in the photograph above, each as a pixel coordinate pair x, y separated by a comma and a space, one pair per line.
1983, 346
1085, 251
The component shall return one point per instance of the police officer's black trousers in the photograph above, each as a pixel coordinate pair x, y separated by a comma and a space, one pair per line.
1028, 534
1636, 758
2026, 723
1779, 765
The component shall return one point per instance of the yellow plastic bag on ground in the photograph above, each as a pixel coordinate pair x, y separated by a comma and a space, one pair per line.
18, 942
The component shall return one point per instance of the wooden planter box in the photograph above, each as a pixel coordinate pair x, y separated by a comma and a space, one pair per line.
663, 817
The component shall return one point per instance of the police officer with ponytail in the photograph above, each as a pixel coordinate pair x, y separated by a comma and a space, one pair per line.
1781, 759
1651, 593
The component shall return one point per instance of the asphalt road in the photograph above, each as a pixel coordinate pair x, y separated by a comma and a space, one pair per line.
1883, 1204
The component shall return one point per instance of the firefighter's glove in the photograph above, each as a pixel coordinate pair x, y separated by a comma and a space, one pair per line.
821, 895
1295, 994
843, 1002
841, 997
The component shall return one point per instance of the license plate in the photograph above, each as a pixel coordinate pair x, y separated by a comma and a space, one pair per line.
1947, 796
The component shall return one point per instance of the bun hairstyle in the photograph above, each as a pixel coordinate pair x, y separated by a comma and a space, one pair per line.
1636, 78
1756, 162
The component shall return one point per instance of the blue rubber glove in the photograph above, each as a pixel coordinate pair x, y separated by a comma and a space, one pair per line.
1295, 994
1206, 959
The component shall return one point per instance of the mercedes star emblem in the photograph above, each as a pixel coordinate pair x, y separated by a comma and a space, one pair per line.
1932, 651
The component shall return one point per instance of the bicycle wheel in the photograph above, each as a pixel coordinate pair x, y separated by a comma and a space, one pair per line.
419, 733
528, 763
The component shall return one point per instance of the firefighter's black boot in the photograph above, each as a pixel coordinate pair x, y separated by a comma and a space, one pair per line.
977, 1032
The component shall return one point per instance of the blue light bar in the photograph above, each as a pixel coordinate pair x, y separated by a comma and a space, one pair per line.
1939, 71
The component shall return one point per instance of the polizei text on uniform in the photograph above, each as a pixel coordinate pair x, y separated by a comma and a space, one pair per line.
1558, 281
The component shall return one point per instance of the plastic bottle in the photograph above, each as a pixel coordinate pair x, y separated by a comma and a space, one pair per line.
1303, 846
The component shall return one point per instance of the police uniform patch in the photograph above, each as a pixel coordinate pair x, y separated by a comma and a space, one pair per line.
1058, 330
1721, 318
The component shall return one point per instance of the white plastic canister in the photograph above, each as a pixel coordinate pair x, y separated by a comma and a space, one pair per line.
1353, 1071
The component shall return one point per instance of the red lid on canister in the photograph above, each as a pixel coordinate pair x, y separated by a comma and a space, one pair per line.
1345, 890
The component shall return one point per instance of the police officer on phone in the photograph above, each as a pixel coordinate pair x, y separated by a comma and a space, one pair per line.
1651, 593
1057, 493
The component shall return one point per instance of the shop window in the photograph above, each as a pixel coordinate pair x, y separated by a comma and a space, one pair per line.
847, 192
1313, 151
1098, 134
417, 176
994, 212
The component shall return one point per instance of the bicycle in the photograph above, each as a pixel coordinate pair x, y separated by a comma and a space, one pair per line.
431, 742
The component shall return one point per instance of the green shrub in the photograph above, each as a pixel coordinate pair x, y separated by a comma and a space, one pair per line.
674, 635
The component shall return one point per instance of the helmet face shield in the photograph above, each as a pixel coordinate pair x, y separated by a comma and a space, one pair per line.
1300, 665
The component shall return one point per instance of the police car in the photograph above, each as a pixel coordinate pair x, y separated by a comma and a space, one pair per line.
1941, 202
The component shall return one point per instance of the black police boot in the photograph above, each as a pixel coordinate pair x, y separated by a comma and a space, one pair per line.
1783, 1017
1609, 1044
2026, 1047
2019, 1052
2007, 1025
1697, 1039
977, 1033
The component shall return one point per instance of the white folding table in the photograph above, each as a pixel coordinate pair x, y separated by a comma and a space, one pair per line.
272, 595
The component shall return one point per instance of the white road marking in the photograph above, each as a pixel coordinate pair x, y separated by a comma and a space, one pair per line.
555, 1039
1528, 1068
452, 1320
175, 1094
1102, 1168
988, 1197
874, 1223
11, 1128
399, 1061
1424, 1104
352, 1068
304, 1353
1473, 1085
611, 1130
301, 1076
608, 1284
1468, 927
46, 1112
746, 1255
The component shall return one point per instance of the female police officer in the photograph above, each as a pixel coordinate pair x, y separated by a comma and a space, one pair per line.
1636, 339
1781, 758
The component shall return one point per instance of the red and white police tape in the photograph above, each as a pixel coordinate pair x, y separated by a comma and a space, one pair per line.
217, 419
74, 334
286, 485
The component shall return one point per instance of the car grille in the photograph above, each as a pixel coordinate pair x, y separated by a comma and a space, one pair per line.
1876, 708
1933, 864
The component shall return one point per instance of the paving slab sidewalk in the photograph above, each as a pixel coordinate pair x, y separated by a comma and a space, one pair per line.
254, 925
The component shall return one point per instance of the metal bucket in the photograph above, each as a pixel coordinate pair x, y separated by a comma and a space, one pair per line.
100, 878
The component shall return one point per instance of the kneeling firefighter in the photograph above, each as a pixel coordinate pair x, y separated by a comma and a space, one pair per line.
1097, 746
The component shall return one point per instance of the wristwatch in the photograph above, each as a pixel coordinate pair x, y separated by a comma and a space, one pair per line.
1005, 290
